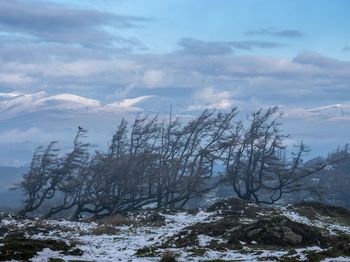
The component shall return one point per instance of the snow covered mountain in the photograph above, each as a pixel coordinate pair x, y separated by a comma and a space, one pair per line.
328, 112
15, 104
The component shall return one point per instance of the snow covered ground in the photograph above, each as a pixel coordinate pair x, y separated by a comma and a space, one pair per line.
137, 242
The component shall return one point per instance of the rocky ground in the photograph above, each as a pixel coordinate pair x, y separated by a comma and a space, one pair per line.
230, 230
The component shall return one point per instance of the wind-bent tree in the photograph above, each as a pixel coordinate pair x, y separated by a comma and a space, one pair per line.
332, 184
256, 162
166, 163
189, 154
51, 177
72, 174
41, 181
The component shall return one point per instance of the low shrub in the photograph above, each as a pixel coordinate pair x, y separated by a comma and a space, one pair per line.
115, 220
168, 257
105, 230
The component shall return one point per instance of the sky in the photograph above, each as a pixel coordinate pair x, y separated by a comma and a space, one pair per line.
68, 63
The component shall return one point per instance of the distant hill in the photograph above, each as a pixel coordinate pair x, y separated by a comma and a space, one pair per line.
8, 177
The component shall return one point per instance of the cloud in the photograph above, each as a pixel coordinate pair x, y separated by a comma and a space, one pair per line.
346, 49
271, 31
153, 77
199, 47
317, 60
22, 136
211, 98
18, 49
58, 23
308, 77
211, 94
249, 45
223, 105
14, 79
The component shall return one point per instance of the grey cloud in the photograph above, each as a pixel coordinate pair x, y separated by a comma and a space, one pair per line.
58, 23
249, 45
199, 47
264, 79
287, 33
317, 60
346, 49
19, 49
307, 77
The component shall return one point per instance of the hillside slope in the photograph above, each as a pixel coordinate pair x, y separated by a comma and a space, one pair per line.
230, 230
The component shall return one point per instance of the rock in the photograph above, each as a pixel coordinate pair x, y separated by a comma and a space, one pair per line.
291, 237
188, 236
276, 231
279, 231
236, 208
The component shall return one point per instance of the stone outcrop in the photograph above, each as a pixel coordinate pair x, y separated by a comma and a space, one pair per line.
279, 231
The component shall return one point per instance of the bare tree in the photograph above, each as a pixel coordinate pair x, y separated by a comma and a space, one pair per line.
72, 173
256, 162
188, 155
166, 163
41, 181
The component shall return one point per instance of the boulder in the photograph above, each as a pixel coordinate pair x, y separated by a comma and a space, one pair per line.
277, 230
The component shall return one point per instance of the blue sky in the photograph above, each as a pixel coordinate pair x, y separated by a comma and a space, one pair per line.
80, 60
323, 23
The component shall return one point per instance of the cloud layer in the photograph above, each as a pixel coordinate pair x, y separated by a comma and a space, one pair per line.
199, 47
308, 79
57, 23
271, 31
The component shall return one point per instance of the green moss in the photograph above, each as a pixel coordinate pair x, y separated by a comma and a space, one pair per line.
146, 252
56, 260
198, 252
313, 211
333, 252
23, 249
168, 257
